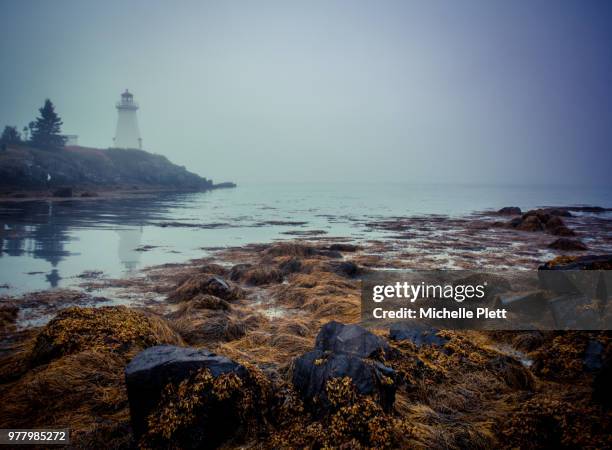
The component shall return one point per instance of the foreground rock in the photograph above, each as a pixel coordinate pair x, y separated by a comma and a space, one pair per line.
150, 371
419, 335
71, 372
190, 397
350, 339
581, 285
315, 372
586, 262
568, 244
343, 360
602, 388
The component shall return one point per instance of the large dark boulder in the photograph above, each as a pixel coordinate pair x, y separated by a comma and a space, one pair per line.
313, 370
418, 334
530, 223
344, 268
589, 276
350, 339
238, 271
576, 311
290, 264
593, 356
586, 262
602, 384
554, 222
562, 231
548, 219
153, 369
342, 247
510, 211
568, 244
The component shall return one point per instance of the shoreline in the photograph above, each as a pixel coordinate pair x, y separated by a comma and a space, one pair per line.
266, 308
91, 193
487, 238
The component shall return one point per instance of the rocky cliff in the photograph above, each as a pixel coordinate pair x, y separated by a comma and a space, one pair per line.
23, 167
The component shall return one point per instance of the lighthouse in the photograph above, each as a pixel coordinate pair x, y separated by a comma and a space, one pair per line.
127, 134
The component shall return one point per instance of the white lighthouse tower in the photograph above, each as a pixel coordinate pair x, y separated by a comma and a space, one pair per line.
127, 134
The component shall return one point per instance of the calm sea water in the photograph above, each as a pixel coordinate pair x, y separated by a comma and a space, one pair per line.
46, 244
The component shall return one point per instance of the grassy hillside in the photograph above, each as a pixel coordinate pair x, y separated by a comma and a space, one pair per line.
24, 167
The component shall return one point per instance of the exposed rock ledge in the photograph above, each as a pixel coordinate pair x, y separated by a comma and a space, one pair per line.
27, 169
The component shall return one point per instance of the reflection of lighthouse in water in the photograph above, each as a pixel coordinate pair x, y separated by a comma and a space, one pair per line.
129, 241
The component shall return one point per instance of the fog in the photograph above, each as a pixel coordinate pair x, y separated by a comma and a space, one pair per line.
316, 91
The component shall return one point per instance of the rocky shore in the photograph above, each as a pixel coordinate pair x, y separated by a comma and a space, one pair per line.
80, 172
258, 346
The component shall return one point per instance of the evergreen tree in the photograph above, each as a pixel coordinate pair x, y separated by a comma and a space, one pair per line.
10, 135
45, 132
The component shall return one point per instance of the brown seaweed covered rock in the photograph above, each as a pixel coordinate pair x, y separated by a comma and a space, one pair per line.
568, 244
314, 370
510, 211
8, 316
71, 372
208, 285
548, 220
344, 351
255, 275
419, 335
112, 328
586, 262
192, 398
351, 421
350, 339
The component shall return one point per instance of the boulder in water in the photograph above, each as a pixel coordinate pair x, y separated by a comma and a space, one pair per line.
510, 211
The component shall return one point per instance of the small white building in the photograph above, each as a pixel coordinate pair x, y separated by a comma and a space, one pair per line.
127, 134
71, 140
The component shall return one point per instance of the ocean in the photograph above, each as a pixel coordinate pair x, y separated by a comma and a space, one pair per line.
51, 244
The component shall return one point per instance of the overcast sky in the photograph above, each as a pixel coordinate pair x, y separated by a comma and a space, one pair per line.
441, 91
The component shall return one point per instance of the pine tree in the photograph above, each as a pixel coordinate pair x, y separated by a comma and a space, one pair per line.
10, 135
46, 129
